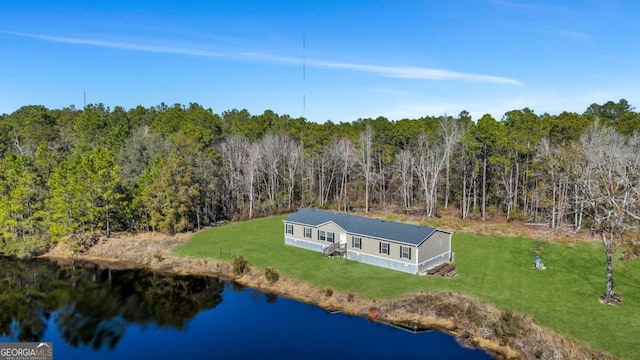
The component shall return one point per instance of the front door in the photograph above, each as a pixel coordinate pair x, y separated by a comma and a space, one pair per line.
343, 238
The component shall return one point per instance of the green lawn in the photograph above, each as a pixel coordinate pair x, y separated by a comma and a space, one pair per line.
498, 270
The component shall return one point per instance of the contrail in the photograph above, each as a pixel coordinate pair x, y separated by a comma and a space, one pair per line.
401, 72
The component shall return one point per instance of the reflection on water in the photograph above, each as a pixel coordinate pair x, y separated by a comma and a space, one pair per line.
92, 312
94, 305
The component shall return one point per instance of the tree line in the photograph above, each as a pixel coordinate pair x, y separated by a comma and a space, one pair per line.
72, 175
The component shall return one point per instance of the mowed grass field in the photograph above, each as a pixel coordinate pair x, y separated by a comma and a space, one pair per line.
564, 297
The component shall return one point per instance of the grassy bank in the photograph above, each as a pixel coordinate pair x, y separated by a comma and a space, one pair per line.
494, 269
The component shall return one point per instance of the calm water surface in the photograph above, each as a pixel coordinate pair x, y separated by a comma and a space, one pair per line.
90, 312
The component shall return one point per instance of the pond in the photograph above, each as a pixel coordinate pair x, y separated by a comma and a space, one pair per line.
89, 311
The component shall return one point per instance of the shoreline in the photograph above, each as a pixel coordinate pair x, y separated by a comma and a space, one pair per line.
503, 334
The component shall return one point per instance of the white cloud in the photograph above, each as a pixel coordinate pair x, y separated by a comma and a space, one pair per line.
411, 72
401, 72
130, 46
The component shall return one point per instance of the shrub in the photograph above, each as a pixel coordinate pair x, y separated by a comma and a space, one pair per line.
272, 275
374, 313
493, 211
240, 264
24, 248
518, 215
350, 297
328, 292
507, 326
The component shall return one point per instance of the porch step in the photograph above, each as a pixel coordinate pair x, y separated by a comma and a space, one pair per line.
335, 249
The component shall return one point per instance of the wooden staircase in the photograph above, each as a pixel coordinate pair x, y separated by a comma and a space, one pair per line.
335, 249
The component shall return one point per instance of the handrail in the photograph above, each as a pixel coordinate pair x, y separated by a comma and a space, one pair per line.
329, 250
334, 248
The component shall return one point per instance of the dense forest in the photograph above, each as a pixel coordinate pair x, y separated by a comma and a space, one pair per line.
72, 175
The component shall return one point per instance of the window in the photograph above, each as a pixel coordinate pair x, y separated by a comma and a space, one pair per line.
356, 242
384, 248
307, 232
329, 237
325, 236
405, 252
290, 229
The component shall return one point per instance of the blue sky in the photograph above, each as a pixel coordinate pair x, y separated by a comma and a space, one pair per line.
399, 59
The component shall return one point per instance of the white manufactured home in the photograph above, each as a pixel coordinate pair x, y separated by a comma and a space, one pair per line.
409, 248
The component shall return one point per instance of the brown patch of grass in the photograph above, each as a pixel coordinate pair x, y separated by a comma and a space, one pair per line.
497, 226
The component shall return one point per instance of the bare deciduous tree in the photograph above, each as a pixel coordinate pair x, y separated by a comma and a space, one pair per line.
327, 159
250, 167
272, 154
610, 185
451, 131
366, 145
469, 170
429, 159
404, 164
294, 159
234, 151
345, 156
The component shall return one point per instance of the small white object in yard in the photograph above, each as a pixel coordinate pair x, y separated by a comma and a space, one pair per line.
538, 264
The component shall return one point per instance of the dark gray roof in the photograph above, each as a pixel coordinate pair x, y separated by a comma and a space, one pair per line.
394, 231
